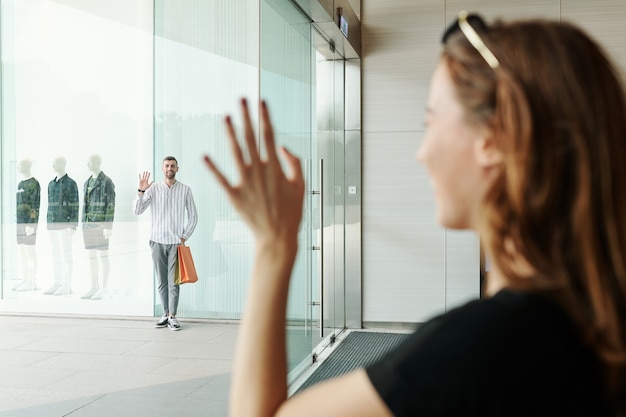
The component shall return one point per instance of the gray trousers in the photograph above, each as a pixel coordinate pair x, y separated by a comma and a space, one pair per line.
165, 258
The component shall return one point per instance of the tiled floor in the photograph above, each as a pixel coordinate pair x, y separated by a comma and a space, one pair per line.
91, 367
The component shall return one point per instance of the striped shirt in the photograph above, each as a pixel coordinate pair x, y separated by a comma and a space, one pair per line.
168, 208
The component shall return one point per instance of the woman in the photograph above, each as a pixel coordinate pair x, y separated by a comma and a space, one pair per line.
525, 145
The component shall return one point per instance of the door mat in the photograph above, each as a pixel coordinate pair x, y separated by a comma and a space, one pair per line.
357, 350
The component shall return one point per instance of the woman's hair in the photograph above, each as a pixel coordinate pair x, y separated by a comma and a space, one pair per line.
556, 107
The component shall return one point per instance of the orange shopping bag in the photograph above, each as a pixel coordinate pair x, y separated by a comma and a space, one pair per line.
186, 270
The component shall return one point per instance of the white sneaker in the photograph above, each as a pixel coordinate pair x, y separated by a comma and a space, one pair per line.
162, 321
173, 324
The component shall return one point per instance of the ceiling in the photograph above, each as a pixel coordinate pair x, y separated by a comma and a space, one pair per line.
356, 6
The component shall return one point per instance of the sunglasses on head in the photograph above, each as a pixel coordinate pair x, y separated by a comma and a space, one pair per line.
467, 24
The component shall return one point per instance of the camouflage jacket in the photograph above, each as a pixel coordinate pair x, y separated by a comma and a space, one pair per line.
28, 201
99, 200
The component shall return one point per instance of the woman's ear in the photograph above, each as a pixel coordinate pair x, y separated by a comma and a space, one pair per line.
486, 151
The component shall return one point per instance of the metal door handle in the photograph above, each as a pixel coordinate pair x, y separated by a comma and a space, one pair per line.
320, 248
321, 243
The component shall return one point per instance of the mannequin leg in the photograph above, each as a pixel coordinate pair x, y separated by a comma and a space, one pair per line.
67, 261
28, 267
105, 266
21, 268
57, 265
31, 252
93, 269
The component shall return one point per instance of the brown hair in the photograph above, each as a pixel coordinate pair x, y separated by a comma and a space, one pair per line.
557, 110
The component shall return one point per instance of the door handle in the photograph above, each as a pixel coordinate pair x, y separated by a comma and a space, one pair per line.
320, 248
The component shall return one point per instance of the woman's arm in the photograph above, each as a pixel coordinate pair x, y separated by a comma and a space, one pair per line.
270, 202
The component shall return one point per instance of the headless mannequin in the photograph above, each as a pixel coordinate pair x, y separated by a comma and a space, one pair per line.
99, 255
28, 217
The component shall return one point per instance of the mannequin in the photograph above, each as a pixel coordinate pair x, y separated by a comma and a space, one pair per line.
62, 222
98, 213
28, 200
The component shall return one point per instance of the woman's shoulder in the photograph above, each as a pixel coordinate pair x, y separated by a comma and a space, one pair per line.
513, 331
510, 319
509, 343
507, 307
483, 329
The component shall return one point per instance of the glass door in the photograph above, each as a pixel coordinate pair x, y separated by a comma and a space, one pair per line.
328, 284
286, 66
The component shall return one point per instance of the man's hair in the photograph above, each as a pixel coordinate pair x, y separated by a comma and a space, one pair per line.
170, 158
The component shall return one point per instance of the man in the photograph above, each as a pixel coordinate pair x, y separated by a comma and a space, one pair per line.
170, 200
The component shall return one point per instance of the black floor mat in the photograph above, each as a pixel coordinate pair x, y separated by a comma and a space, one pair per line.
358, 349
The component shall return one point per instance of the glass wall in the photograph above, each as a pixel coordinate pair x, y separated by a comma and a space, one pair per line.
104, 90
127, 83
206, 59
77, 102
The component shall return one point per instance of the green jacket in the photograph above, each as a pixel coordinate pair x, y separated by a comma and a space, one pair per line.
28, 201
99, 200
62, 203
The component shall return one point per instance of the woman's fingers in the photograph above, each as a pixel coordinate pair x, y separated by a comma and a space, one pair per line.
268, 134
248, 134
218, 174
295, 178
295, 166
263, 187
234, 144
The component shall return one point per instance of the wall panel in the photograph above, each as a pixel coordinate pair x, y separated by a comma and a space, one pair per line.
400, 47
411, 267
605, 22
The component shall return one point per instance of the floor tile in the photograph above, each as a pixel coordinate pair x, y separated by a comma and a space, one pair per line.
91, 367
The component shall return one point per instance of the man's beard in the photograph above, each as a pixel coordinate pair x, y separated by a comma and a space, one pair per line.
170, 175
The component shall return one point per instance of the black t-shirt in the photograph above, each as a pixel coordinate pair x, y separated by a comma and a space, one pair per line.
514, 354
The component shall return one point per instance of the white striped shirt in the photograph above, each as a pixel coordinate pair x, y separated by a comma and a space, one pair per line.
168, 208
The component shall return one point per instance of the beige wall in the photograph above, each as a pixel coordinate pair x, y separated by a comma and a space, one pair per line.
412, 268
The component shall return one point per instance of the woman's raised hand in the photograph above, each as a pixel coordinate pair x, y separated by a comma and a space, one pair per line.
268, 200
